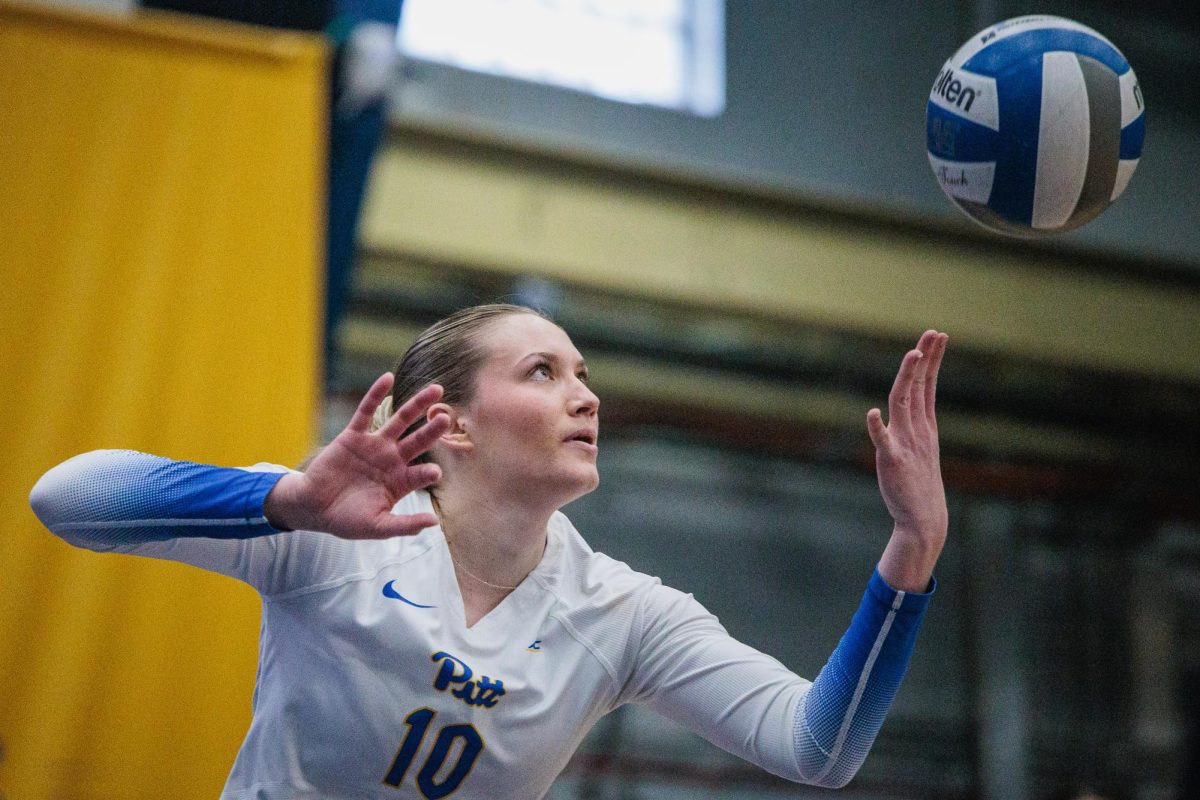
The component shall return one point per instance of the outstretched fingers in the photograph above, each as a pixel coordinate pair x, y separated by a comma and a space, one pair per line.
360, 420
876, 429
900, 411
917, 405
912, 399
410, 478
420, 476
411, 411
935, 362
405, 525
423, 437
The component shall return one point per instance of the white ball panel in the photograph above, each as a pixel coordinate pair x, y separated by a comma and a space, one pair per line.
1064, 138
967, 95
966, 180
1125, 170
1131, 98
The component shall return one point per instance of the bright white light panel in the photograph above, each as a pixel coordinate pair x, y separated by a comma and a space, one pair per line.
668, 53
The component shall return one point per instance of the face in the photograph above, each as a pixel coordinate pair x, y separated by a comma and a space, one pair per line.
533, 423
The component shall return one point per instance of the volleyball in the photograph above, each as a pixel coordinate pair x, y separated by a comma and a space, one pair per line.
1035, 125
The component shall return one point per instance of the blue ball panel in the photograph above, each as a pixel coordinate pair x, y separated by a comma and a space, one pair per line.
955, 138
1132, 136
988, 218
1019, 94
996, 58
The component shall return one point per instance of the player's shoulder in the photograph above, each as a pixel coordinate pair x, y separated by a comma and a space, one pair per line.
594, 586
585, 578
597, 600
602, 601
607, 605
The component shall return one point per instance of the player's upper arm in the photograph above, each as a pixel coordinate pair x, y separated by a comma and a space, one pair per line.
688, 668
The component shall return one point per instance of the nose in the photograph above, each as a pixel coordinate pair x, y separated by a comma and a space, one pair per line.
584, 401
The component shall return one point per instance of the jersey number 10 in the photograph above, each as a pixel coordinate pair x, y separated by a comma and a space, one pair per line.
418, 723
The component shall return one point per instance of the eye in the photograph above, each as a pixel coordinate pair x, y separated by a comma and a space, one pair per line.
541, 371
582, 375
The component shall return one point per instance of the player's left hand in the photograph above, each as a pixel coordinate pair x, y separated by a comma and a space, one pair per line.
908, 466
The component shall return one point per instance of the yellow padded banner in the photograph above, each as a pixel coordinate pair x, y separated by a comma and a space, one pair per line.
162, 187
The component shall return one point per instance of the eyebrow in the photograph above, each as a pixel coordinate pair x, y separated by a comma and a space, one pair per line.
551, 357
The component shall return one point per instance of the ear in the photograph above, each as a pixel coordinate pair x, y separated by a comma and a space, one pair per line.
456, 438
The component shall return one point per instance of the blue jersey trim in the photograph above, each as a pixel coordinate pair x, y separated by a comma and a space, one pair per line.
126, 497
877, 602
198, 492
847, 703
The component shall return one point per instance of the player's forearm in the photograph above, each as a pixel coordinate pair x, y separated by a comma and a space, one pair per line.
839, 718
117, 497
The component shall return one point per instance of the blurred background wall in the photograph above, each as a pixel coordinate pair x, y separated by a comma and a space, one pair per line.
743, 285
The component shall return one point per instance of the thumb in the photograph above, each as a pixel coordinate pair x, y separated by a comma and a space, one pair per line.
876, 429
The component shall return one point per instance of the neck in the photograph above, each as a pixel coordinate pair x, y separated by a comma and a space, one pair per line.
494, 545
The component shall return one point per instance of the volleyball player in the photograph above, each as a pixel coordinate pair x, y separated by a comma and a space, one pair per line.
434, 625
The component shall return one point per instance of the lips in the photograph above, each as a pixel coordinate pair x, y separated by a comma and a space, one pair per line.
583, 436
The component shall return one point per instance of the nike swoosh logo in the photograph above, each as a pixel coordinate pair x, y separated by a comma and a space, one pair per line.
390, 591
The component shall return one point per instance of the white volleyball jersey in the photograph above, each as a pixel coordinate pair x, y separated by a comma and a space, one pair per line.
370, 685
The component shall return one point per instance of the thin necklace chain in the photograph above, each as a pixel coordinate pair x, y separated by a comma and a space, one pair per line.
437, 509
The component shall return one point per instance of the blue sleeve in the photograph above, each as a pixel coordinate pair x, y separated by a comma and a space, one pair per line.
121, 497
843, 711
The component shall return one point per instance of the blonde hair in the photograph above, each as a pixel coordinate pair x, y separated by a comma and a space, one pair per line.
381, 414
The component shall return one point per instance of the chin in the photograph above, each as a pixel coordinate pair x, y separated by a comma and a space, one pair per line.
585, 485
556, 489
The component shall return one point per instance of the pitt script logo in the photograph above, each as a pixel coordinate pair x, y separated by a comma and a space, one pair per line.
454, 672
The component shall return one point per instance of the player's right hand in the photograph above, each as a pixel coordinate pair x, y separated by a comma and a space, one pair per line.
350, 487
